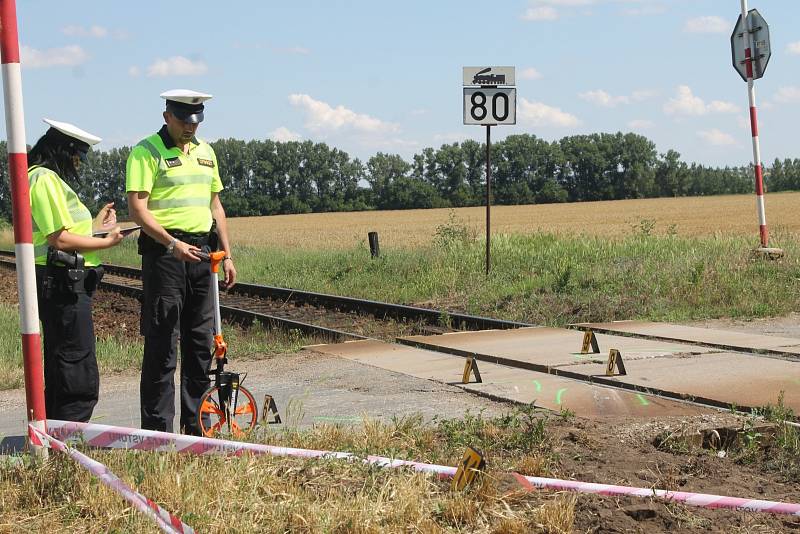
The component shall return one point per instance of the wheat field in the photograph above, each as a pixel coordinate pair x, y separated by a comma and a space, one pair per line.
693, 216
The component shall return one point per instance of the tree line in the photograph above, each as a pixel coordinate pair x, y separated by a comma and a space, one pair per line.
265, 177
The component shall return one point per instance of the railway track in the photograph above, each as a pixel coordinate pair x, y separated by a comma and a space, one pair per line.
330, 317
336, 318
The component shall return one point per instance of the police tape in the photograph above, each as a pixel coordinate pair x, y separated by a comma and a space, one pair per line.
129, 438
166, 521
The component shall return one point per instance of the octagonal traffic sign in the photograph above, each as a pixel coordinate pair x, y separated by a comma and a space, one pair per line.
761, 52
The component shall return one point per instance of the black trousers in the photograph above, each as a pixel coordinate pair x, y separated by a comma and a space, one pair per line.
177, 304
71, 378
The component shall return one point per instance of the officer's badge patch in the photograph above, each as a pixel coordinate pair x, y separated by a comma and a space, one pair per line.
205, 162
173, 162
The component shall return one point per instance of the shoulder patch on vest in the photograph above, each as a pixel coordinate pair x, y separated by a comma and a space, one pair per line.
206, 162
173, 162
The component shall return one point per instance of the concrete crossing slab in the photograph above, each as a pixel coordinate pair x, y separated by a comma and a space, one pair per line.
518, 385
551, 347
727, 377
684, 371
722, 339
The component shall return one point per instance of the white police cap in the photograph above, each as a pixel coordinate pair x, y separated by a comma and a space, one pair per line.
186, 105
73, 131
185, 96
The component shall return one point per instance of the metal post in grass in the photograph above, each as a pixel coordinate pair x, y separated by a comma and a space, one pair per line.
21, 217
374, 246
488, 196
489, 105
750, 51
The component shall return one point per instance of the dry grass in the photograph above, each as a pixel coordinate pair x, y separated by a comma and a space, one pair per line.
693, 216
270, 494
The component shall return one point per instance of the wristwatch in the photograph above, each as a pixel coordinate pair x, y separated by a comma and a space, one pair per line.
171, 246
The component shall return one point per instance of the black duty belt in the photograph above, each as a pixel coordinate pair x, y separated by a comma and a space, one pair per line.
148, 245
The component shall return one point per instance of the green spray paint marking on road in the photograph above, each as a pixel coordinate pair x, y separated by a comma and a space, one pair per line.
641, 398
558, 395
538, 385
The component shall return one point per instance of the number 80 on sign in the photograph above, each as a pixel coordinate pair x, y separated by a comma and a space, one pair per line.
490, 105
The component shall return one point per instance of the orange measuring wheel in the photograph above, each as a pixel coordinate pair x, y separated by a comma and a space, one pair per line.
228, 408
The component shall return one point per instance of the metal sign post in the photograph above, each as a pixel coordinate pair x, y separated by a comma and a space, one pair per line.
491, 103
750, 51
488, 196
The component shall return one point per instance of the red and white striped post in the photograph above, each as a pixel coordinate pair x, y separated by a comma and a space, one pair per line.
21, 215
751, 95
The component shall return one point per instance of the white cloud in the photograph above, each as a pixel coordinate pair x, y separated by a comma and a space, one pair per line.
640, 124
530, 74
602, 98
643, 94
452, 137
539, 114
743, 123
645, 11
546, 9
686, 103
66, 56
80, 31
321, 116
788, 95
716, 137
711, 24
283, 134
793, 48
134, 71
566, 3
719, 106
540, 13
176, 66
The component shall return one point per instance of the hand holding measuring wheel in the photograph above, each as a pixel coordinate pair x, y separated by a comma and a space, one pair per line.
227, 405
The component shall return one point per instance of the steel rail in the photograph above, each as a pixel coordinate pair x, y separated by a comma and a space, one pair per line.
235, 314
378, 309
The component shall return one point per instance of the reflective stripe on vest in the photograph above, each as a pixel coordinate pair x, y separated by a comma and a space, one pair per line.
185, 187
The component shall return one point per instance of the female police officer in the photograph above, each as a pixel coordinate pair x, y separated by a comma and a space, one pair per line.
62, 237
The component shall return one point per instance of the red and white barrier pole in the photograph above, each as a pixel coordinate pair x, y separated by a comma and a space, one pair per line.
751, 95
21, 215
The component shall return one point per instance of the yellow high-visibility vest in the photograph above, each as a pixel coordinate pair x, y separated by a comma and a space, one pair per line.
180, 185
54, 205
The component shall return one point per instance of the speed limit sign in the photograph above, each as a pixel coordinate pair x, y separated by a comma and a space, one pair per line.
490, 105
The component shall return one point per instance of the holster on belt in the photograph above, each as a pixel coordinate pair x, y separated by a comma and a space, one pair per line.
65, 272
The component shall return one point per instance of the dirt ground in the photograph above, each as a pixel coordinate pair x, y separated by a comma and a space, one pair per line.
613, 451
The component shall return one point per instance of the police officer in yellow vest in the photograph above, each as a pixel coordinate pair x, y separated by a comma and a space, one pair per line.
67, 269
173, 187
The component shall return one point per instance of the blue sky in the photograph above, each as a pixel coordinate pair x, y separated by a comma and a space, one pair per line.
369, 76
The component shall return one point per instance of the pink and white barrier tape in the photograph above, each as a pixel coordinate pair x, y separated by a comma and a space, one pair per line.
128, 438
166, 521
